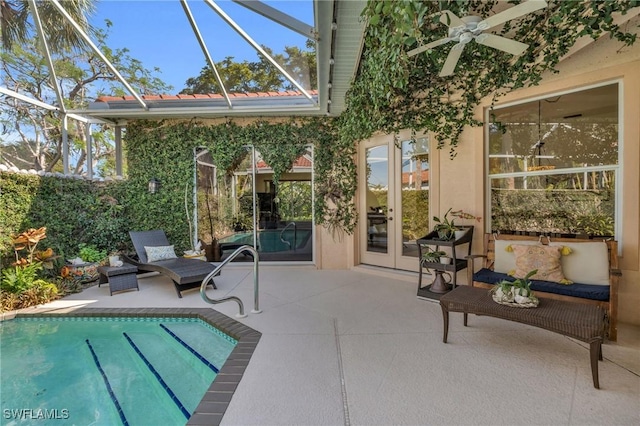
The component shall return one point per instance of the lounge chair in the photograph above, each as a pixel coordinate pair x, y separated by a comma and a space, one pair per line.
185, 273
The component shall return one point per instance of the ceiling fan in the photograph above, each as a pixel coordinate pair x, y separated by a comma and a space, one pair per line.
464, 30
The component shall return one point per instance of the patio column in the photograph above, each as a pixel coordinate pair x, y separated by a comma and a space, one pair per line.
65, 145
89, 146
118, 136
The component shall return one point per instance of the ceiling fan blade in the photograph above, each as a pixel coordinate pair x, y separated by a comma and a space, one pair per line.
501, 43
450, 19
428, 46
512, 13
452, 60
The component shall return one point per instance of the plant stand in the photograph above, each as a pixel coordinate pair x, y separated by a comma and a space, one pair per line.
439, 286
119, 278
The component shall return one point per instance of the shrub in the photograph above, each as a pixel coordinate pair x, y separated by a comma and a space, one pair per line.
90, 253
20, 285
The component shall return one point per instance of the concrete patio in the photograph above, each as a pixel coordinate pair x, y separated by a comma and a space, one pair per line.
358, 347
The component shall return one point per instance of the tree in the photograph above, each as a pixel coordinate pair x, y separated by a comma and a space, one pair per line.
32, 136
260, 76
17, 28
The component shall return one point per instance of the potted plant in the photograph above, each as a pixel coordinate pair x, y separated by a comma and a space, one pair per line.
207, 211
444, 227
433, 256
84, 268
515, 293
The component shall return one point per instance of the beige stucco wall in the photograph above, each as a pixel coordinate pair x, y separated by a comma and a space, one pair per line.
597, 63
334, 250
460, 183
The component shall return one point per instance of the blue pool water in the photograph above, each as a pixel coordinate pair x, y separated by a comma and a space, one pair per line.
269, 240
106, 370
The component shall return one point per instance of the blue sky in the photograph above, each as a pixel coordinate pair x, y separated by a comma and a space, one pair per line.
158, 33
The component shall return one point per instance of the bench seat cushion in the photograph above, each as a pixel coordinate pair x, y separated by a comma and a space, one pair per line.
585, 291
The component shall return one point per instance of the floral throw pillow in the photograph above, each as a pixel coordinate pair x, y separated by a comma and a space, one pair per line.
159, 253
546, 259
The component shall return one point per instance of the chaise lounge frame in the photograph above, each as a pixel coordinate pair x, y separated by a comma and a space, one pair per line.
185, 273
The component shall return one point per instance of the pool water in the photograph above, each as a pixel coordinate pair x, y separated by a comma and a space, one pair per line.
271, 240
107, 371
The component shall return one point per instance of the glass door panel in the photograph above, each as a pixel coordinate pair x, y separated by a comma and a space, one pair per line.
414, 194
377, 194
243, 206
284, 229
396, 178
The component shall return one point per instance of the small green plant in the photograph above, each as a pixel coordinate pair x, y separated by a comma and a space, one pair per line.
521, 286
433, 256
444, 227
19, 278
517, 291
89, 253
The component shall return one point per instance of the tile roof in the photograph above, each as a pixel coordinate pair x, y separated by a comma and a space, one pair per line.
300, 162
411, 177
206, 96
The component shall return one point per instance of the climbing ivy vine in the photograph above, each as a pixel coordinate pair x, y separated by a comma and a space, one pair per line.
394, 91
165, 150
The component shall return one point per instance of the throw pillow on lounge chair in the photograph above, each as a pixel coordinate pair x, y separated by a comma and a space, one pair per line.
159, 253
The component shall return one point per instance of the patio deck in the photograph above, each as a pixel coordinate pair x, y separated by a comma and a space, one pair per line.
357, 347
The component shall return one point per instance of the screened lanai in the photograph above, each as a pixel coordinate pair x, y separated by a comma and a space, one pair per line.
334, 32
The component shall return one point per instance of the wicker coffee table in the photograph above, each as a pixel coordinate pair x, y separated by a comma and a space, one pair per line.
579, 321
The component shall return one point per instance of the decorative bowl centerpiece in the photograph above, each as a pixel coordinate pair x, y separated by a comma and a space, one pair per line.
515, 293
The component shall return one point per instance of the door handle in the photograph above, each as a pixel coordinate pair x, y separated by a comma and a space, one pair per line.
389, 218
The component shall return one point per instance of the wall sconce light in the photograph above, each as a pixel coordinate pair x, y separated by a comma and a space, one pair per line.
154, 185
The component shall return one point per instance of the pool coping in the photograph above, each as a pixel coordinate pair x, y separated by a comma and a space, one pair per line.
216, 399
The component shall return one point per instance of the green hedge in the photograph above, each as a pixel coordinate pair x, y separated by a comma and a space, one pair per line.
415, 211
74, 211
553, 211
79, 211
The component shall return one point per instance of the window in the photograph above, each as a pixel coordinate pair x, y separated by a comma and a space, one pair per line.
553, 164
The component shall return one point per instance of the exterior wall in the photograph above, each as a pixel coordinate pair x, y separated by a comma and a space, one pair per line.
460, 183
597, 63
334, 251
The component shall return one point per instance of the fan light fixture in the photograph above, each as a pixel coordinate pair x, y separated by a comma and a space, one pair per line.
464, 30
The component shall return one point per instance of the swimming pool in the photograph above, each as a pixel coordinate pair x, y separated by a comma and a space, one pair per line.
273, 240
131, 370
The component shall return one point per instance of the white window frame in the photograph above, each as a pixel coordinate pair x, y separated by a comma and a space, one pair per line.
618, 168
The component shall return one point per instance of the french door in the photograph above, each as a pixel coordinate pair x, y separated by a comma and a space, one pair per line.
394, 201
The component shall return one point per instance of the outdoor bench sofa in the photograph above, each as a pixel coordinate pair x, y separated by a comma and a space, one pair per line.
592, 265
